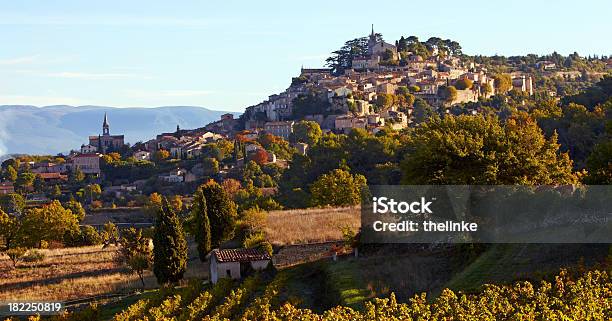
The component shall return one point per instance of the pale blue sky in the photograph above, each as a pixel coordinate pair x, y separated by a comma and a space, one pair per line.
231, 54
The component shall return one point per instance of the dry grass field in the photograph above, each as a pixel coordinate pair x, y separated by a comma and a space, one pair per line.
76, 273
310, 225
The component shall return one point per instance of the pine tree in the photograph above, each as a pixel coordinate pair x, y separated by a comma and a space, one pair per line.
221, 212
199, 212
169, 246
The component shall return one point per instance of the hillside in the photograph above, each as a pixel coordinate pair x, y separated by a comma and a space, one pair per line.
58, 129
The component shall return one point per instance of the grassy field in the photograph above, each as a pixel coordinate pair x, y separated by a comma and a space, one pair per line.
505, 263
310, 225
75, 273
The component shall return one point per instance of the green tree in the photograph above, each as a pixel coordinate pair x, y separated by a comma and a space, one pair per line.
464, 83
77, 175
447, 93
169, 246
486, 89
221, 212
25, 181
11, 173
16, 254
12, 203
48, 223
76, 208
480, 150
422, 111
337, 188
93, 192
10, 227
110, 234
136, 252
210, 166
202, 233
502, 82
306, 131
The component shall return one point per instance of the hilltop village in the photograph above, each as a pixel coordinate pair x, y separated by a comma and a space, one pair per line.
379, 89
369, 85
278, 189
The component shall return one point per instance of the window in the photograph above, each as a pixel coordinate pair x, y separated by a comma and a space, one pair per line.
228, 273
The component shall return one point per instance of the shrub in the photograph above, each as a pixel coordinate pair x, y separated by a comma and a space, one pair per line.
34, 256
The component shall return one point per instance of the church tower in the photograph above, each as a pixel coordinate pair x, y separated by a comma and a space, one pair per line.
105, 126
371, 41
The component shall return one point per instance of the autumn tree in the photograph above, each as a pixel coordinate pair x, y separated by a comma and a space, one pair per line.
480, 150
259, 156
76, 208
502, 82
160, 155
337, 188
10, 227
48, 223
169, 246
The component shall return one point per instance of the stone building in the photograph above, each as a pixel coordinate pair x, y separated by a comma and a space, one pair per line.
106, 142
236, 263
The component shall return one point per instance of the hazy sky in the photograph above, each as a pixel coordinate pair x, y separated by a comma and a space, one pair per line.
231, 54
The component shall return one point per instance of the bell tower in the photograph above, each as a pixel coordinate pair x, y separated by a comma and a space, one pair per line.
105, 126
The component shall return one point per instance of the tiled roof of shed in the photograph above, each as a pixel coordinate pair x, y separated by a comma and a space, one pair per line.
240, 255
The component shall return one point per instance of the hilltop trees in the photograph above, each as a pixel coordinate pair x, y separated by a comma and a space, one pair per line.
342, 58
480, 150
169, 246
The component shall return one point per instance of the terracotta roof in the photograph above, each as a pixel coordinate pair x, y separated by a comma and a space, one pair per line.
240, 255
87, 155
52, 176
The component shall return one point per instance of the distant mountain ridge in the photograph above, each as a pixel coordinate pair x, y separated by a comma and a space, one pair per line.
56, 129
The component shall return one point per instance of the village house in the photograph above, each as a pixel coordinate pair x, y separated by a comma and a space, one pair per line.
53, 177
6, 188
88, 149
279, 128
86, 163
236, 263
174, 176
142, 155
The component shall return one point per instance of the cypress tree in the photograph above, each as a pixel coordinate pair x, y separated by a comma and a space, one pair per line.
169, 246
221, 212
202, 224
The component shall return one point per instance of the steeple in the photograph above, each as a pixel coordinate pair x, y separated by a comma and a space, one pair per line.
105, 126
372, 34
